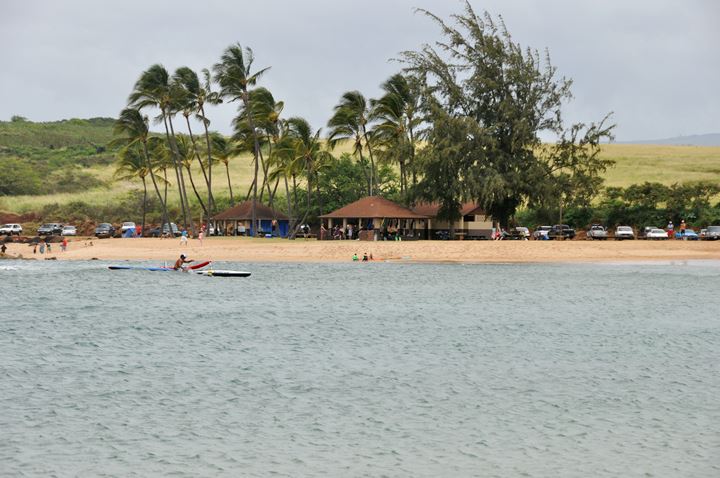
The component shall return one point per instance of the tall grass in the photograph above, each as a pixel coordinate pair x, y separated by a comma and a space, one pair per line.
634, 164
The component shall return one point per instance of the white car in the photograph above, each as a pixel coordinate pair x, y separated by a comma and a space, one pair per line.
624, 232
10, 229
656, 234
541, 232
69, 231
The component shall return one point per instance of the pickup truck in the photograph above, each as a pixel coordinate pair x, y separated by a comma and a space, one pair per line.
50, 229
561, 231
597, 232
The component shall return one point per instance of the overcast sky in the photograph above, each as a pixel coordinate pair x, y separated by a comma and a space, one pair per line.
654, 63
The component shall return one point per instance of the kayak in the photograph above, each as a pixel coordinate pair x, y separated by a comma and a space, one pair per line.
193, 267
221, 273
138, 268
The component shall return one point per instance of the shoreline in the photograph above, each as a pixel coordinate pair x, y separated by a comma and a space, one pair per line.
313, 251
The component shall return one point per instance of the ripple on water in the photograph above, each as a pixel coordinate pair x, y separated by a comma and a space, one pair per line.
361, 369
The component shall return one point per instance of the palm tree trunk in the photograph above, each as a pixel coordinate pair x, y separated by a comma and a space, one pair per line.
289, 205
142, 227
197, 195
372, 160
165, 184
195, 151
250, 190
163, 204
265, 183
178, 170
368, 178
256, 149
227, 171
411, 163
183, 190
295, 198
211, 198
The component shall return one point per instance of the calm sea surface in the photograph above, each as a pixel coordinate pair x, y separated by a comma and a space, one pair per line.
355, 369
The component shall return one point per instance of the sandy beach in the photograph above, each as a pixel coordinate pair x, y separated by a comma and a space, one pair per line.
302, 250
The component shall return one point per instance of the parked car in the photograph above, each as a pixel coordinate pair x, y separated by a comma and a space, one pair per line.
518, 233
712, 233
688, 235
596, 231
126, 226
155, 232
69, 231
50, 229
105, 230
624, 232
646, 230
561, 231
10, 229
541, 232
656, 234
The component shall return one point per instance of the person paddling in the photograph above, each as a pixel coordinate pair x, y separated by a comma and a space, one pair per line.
179, 264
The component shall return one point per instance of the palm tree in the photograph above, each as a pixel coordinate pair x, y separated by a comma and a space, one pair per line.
194, 97
396, 114
131, 165
265, 114
233, 74
349, 122
222, 151
306, 151
134, 128
153, 89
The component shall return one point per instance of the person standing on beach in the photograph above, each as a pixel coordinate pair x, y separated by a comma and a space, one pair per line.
201, 236
63, 244
42, 248
184, 238
3, 248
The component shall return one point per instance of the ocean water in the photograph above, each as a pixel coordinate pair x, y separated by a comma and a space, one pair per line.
377, 369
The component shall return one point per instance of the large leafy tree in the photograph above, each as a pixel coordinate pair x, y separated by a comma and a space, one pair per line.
235, 76
513, 96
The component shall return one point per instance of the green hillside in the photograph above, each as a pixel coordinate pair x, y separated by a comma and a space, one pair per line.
21, 134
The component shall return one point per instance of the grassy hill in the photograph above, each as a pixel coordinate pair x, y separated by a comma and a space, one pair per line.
22, 134
78, 144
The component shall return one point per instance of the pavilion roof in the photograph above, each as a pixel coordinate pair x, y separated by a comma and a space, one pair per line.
431, 209
374, 207
243, 211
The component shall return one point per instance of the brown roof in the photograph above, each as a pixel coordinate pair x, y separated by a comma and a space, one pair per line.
431, 209
243, 211
372, 207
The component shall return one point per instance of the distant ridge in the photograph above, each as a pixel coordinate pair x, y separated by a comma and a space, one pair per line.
712, 139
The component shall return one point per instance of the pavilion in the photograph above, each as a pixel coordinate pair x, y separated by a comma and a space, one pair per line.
374, 217
237, 220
